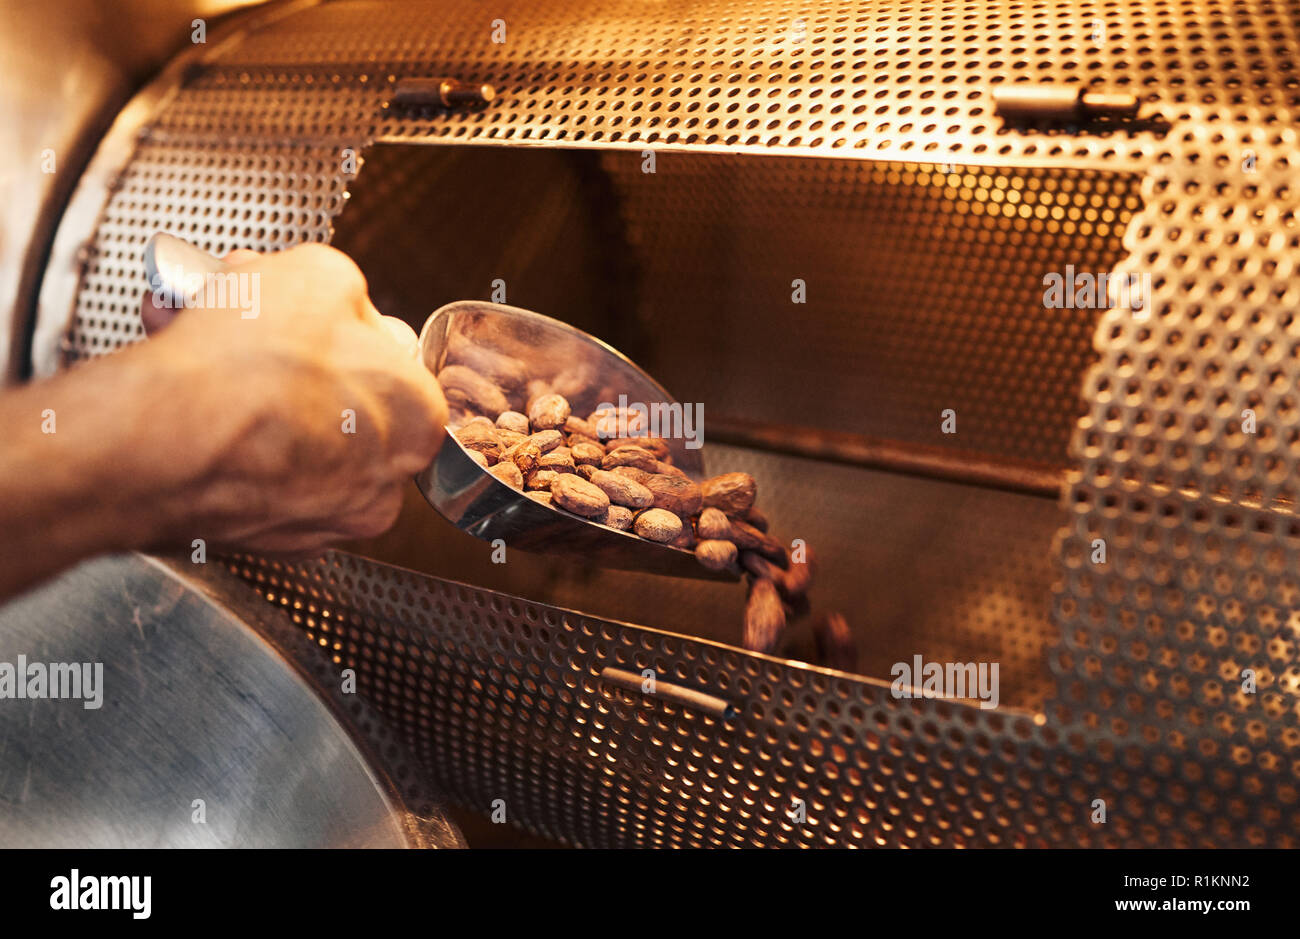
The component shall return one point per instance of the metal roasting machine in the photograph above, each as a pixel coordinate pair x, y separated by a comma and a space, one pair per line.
997, 302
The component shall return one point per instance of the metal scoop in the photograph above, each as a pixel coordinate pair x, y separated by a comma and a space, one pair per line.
514, 348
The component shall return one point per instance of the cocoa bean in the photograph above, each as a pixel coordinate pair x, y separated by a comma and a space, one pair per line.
629, 456
749, 538
734, 493
836, 647
587, 453
484, 440
574, 439
549, 412
619, 517
547, 440
478, 458
579, 496
466, 387
798, 575
524, 455
657, 525
716, 554
676, 494
542, 479
587, 470
764, 617
514, 421
509, 474
576, 425
509, 438
543, 497
504, 370
559, 460
713, 525
631, 472
654, 444
760, 567
623, 491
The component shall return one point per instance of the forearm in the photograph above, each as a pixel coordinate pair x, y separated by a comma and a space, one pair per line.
85, 465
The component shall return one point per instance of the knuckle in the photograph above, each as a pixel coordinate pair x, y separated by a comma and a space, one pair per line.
341, 272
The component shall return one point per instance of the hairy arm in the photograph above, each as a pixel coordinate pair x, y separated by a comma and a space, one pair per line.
232, 430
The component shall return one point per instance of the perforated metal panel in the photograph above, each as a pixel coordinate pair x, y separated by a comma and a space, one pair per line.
1187, 474
500, 696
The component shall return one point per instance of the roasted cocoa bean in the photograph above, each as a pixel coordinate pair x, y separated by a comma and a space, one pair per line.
677, 494
734, 493
542, 479
619, 517
509, 474
623, 491
836, 647
798, 575
657, 525
716, 554
549, 412
504, 370
509, 438
574, 439
560, 460
587, 453
466, 387
629, 456
524, 455
576, 425
713, 525
484, 440
749, 538
579, 496
655, 445
631, 472
547, 440
761, 567
515, 422
764, 617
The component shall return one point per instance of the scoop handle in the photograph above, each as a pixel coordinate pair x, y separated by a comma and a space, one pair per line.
177, 270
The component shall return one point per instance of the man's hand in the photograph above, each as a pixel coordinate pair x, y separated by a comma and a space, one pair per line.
279, 432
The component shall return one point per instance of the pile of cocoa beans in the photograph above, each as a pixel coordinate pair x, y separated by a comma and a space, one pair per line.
581, 465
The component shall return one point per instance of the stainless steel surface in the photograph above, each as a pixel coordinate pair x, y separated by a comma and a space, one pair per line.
856, 148
75, 254
440, 92
589, 373
176, 270
1061, 103
67, 68
194, 708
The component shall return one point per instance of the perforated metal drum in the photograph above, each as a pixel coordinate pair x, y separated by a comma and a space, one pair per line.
855, 148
